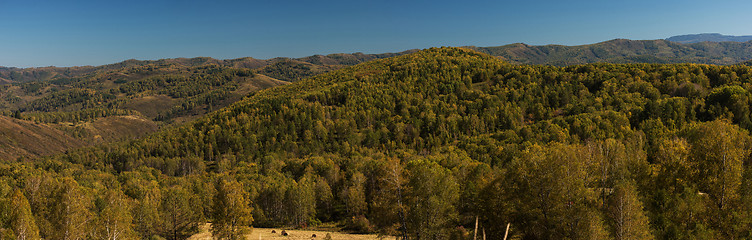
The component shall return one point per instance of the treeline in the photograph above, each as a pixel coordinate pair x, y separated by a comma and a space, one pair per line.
420, 145
74, 116
75, 203
210, 99
294, 70
56, 101
201, 80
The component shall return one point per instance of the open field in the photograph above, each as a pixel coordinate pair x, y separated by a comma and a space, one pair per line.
266, 233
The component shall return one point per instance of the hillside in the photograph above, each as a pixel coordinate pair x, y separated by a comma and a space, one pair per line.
26, 139
422, 144
22, 138
708, 37
625, 51
133, 98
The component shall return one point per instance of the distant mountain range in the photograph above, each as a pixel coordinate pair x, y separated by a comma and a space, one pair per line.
625, 51
708, 37
281, 68
707, 48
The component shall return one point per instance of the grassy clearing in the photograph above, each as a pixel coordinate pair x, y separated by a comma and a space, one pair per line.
266, 233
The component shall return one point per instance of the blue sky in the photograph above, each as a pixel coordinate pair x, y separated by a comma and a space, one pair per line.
36, 33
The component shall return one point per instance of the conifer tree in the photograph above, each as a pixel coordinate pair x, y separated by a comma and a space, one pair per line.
179, 218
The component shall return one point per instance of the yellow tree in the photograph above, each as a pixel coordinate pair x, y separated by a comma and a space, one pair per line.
231, 211
628, 218
116, 221
718, 150
22, 221
72, 211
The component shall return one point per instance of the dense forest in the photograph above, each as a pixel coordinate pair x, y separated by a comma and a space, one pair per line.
420, 146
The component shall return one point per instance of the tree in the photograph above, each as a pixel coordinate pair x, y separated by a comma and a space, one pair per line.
354, 195
146, 215
718, 150
300, 201
22, 221
179, 219
544, 193
116, 221
231, 210
433, 195
72, 211
627, 216
387, 206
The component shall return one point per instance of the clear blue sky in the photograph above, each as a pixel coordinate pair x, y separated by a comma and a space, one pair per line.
75, 33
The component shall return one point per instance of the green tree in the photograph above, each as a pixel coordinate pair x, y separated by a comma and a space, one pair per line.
354, 195
179, 218
146, 215
231, 210
388, 208
300, 200
544, 193
433, 195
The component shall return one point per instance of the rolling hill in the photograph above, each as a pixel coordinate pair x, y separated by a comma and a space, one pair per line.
455, 134
418, 145
133, 98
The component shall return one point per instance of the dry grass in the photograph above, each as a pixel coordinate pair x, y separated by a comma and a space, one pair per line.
151, 106
28, 139
266, 233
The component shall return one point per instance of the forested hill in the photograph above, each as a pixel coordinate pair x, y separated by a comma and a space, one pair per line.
133, 98
422, 144
625, 51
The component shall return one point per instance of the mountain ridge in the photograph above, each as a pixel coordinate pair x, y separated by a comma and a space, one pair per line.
708, 37
49, 72
670, 50
624, 51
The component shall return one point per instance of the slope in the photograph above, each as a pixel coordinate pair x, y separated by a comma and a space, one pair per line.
98, 104
19, 138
